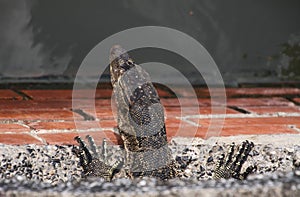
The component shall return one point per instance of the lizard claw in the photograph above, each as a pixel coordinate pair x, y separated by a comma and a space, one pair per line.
228, 168
95, 165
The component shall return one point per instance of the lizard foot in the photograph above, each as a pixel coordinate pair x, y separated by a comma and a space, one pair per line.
95, 164
229, 168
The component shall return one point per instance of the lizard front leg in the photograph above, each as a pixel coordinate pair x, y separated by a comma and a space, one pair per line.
95, 165
231, 165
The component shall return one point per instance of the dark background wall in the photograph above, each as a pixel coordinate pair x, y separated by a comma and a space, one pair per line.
249, 40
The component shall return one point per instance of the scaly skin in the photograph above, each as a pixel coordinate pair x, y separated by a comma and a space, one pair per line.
141, 126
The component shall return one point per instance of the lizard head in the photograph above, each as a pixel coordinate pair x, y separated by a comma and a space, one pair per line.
120, 62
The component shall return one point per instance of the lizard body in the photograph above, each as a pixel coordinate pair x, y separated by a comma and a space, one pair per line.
140, 118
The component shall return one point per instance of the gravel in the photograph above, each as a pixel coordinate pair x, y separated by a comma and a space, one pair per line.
51, 170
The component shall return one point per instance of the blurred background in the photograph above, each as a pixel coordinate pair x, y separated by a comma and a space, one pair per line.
250, 41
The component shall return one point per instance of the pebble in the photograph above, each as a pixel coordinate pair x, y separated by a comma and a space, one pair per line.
55, 168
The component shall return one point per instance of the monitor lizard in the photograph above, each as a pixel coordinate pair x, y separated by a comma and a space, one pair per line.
141, 126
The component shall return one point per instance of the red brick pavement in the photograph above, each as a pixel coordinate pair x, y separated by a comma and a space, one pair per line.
46, 116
